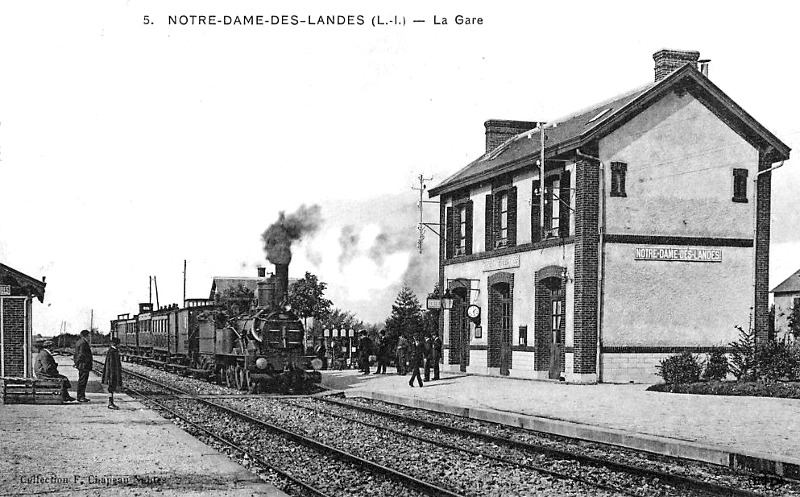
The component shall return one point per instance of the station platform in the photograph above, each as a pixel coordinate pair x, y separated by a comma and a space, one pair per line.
756, 433
88, 449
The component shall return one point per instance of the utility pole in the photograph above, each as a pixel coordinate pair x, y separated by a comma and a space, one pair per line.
91, 321
155, 283
150, 297
184, 282
422, 224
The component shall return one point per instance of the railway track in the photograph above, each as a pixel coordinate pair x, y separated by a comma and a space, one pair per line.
514, 451
368, 434
265, 443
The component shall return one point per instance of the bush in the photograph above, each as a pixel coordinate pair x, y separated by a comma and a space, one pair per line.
682, 368
777, 360
717, 366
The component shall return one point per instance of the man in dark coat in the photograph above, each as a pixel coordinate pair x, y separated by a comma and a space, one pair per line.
382, 358
364, 351
45, 367
437, 354
112, 372
417, 354
402, 354
83, 363
428, 346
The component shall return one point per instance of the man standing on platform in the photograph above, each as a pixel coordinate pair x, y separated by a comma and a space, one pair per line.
45, 367
112, 372
83, 363
437, 354
364, 351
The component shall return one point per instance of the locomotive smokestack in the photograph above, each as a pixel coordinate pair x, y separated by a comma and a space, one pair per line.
281, 282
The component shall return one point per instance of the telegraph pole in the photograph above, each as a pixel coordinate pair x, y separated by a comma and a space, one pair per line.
422, 223
184, 282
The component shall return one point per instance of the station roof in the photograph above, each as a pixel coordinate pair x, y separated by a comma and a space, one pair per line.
789, 285
588, 125
21, 284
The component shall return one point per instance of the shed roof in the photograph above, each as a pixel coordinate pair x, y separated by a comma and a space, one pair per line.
588, 125
790, 284
22, 283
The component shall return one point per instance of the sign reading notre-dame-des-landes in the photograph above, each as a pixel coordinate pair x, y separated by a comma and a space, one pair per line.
678, 254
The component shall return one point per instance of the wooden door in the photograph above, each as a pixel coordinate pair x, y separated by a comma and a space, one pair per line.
557, 305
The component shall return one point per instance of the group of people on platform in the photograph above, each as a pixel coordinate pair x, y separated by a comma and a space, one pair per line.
418, 352
46, 367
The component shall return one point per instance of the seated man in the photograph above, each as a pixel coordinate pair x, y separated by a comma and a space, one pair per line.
45, 367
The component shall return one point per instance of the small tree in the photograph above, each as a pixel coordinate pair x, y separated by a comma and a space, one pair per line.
307, 297
406, 317
679, 369
743, 357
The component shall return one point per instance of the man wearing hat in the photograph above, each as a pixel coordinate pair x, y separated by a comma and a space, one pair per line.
83, 363
45, 367
364, 351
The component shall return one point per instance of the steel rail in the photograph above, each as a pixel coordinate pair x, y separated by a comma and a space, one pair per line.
253, 457
319, 446
532, 467
676, 480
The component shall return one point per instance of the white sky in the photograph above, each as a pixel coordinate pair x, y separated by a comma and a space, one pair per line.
125, 148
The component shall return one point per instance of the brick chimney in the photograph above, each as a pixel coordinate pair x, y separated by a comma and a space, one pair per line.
670, 60
498, 131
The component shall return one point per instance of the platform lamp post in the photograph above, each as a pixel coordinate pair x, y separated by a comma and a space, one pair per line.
350, 334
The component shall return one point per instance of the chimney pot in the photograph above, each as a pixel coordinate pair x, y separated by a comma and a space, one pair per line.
667, 61
498, 131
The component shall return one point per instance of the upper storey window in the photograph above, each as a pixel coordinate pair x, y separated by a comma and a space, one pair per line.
618, 172
740, 185
458, 229
501, 217
503, 201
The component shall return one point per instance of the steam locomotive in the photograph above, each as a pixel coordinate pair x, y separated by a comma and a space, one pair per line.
261, 349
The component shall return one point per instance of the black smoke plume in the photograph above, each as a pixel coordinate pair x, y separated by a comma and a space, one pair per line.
278, 238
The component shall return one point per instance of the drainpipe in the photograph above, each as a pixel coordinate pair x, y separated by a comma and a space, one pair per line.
601, 222
755, 232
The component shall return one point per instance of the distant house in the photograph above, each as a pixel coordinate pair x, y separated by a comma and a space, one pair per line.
16, 298
787, 297
639, 236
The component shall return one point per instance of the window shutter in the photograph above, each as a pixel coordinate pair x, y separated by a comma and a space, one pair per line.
489, 223
536, 209
468, 242
564, 194
448, 251
512, 216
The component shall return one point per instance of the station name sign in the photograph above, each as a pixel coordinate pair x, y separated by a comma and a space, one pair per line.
682, 254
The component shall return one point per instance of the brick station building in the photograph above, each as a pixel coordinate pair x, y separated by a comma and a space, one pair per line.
655, 237
16, 298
